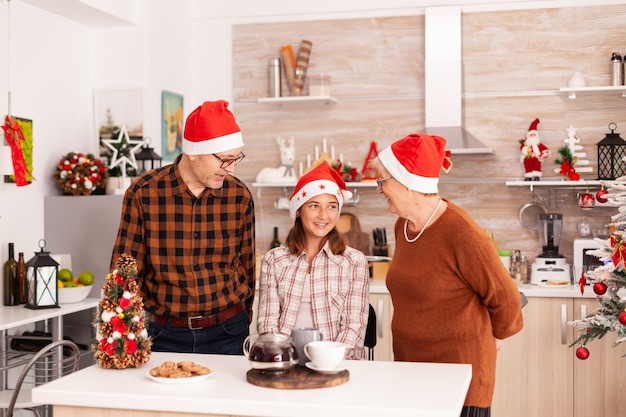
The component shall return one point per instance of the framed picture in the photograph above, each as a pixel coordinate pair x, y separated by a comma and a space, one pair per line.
114, 109
172, 125
26, 126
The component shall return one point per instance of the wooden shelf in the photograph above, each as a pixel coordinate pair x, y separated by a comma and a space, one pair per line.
571, 92
298, 99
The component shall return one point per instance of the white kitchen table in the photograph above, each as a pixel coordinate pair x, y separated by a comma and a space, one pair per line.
374, 389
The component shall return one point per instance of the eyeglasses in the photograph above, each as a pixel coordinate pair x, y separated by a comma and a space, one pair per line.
380, 182
229, 162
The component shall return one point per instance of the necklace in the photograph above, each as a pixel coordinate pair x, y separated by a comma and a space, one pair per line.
406, 223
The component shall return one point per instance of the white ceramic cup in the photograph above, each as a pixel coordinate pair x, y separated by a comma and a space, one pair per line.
325, 354
303, 335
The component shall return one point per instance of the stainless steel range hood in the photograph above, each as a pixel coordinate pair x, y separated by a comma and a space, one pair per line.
443, 84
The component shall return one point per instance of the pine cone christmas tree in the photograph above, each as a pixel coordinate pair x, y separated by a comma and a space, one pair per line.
608, 281
121, 337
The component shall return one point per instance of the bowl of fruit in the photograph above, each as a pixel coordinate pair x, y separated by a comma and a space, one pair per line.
73, 289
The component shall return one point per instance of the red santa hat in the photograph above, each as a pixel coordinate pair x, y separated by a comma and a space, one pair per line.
320, 180
415, 161
533, 126
211, 128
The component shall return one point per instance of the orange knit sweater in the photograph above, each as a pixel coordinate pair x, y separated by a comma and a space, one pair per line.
452, 297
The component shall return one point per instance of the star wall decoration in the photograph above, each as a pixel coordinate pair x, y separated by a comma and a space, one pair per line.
125, 146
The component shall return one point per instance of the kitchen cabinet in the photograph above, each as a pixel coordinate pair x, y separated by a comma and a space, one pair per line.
384, 310
600, 380
538, 374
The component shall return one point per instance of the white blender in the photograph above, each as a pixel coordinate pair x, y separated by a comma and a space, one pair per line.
550, 267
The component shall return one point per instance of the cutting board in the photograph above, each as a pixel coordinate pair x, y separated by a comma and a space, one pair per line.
298, 377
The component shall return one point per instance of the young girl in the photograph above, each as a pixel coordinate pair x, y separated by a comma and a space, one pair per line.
315, 279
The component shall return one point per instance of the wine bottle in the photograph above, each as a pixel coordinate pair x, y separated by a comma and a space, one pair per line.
9, 278
275, 242
22, 285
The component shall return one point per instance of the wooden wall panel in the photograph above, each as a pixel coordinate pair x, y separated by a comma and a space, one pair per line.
514, 63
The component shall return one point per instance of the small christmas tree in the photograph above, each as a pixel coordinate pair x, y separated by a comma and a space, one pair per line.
607, 281
121, 337
571, 156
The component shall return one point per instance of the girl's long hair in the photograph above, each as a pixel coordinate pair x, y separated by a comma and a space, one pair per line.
296, 239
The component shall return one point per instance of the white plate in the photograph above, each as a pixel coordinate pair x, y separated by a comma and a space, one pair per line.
324, 371
176, 381
547, 285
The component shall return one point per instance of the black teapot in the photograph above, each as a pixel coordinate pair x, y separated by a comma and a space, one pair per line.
271, 352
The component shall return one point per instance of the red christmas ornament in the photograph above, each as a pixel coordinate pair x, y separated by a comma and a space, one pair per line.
586, 201
599, 288
582, 353
622, 317
600, 196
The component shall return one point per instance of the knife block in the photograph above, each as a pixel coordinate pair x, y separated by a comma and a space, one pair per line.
380, 250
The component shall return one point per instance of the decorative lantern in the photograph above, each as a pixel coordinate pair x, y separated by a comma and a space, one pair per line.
41, 276
145, 155
611, 152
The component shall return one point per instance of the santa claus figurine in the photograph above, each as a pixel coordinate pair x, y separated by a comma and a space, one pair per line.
533, 153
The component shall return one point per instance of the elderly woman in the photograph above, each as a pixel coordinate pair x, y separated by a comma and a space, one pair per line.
453, 299
315, 279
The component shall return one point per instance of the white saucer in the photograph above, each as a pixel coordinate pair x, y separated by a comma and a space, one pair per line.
310, 365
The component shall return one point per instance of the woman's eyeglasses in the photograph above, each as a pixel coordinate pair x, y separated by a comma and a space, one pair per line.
229, 162
380, 182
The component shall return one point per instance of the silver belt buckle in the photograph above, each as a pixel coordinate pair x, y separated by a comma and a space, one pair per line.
189, 322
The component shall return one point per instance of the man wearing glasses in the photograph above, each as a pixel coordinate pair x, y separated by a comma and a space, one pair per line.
190, 226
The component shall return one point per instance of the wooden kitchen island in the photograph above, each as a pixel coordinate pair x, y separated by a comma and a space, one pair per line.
374, 389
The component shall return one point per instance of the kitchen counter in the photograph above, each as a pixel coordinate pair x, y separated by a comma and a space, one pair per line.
568, 291
374, 389
378, 286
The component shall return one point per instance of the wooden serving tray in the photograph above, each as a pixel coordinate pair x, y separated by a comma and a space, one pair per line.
298, 377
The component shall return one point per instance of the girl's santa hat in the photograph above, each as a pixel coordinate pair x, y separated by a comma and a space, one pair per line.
211, 128
415, 161
320, 180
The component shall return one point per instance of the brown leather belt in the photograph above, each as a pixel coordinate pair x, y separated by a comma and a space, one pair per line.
197, 322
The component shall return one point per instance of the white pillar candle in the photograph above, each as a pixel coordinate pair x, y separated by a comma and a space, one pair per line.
341, 158
308, 160
332, 152
301, 170
324, 149
317, 152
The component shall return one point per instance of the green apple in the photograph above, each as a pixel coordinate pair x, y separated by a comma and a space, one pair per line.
86, 278
65, 275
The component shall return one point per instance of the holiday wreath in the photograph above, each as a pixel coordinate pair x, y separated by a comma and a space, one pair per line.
122, 340
80, 174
